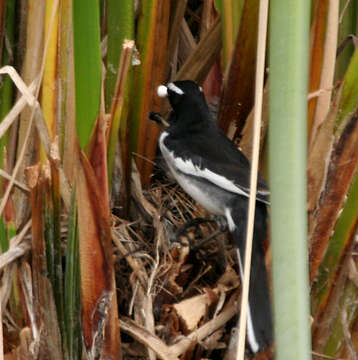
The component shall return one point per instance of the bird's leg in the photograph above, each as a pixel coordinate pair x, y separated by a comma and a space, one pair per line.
221, 222
183, 230
207, 239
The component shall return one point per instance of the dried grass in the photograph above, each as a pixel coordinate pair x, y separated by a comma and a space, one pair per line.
178, 296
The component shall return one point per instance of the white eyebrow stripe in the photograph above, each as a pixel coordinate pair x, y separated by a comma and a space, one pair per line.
175, 89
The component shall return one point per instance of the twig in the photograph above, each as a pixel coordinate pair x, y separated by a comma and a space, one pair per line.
211, 326
17, 108
20, 185
325, 356
259, 81
17, 248
147, 338
344, 11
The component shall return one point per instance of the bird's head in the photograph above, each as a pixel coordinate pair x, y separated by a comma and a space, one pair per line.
183, 95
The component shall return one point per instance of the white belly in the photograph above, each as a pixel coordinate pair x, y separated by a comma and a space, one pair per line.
203, 197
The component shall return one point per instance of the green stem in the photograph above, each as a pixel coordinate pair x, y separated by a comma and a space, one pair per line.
289, 34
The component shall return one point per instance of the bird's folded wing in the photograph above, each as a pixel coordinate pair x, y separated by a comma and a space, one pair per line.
219, 162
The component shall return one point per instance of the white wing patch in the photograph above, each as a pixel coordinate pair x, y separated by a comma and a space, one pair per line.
187, 167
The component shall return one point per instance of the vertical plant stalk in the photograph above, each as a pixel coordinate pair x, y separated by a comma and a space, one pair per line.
2, 26
237, 97
116, 110
87, 67
230, 13
120, 26
318, 159
151, 41
289, 30
259, 84
66, 100
342, 166
98, 295
340, 174
72, 301
331, 279
347, 27
177, 19
55, 217
317, 40
329, 61
6, 87
49, 82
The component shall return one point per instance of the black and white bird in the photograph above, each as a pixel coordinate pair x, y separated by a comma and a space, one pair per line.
211, 169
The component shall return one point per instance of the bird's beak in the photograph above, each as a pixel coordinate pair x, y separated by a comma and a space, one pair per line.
162, 91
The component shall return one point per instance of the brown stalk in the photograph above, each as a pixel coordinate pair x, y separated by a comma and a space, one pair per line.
66, 105
97, 156
122, 72
175, 25
99, 301
238, 91
344, 160
318, 159
247, 131
317, 36
187, 42
328, 67
116, 113
148, 133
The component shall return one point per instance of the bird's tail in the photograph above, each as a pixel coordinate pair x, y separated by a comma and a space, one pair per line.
259, 315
